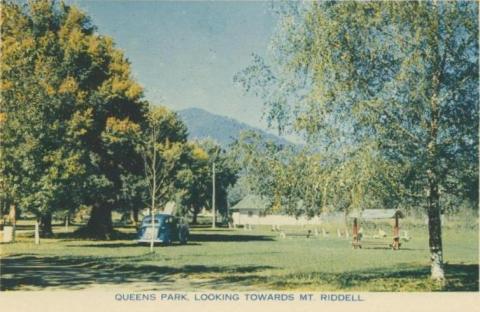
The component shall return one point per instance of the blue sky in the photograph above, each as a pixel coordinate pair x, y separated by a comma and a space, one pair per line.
186, 53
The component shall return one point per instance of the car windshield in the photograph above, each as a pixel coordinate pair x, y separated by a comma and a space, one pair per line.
158, 220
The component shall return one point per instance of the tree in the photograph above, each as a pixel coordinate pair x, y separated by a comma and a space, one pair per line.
163, 154
222, 168
301, 181
401, 75
40, 158
195, 180
163, 151
61, 82
270, 170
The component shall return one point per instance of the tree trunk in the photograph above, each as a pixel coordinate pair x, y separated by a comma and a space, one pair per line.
194, 211
46, 225
67, 221
435, 233
12, 218
434, 213
134, 216
99, 225
37, 232
12, 215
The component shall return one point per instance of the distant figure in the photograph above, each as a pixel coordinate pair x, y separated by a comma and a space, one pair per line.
309, 233
339, 234
283, 235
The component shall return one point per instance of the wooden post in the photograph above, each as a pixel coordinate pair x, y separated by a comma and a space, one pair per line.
66, 223
37, 234
12, 215
396, 234
355, 237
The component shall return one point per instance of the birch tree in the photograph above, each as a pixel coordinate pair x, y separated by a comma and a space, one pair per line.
163, 152
401, 75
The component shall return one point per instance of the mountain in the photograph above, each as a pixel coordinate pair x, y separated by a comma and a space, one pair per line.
202, 125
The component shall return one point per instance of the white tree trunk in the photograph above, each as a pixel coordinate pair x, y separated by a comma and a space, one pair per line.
437, 272
37, 233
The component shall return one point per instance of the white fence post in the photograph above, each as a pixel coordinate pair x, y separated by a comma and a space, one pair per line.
37, 233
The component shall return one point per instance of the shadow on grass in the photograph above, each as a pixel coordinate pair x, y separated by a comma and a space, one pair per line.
459, 277
40, 272
207, 226
210, 237
389, 248
194, 239
34, 272
131, 244
116, 235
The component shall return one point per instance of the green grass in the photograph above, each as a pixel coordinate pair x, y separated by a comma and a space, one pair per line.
226, 259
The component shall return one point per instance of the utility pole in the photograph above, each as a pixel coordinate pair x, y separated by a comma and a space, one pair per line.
154, 188
214, 219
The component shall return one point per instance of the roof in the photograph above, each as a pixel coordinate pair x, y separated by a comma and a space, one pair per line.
251, 202
370, 214
158, 216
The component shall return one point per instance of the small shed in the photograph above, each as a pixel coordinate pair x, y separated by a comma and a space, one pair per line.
375, 214
249, 208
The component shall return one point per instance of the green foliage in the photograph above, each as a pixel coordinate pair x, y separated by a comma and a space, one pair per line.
163, 148
302, 181
387, 86
70, 110
195, 181
397, 78
75, 130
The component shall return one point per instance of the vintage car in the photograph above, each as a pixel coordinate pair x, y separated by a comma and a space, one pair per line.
166, 229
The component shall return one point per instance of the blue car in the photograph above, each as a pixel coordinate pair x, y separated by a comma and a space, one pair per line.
167, 229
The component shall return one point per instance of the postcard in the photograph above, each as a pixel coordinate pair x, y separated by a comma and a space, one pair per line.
232, 155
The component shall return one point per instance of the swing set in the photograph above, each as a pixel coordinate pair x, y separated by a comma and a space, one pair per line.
377, 214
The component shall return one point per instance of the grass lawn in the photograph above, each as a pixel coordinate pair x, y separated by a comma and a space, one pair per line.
227, 259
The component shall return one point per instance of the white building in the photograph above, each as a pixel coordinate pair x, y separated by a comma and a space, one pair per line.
251, 211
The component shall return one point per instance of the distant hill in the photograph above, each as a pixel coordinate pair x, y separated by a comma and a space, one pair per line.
224, 130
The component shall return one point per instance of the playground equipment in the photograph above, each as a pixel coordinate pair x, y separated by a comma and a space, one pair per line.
359, 240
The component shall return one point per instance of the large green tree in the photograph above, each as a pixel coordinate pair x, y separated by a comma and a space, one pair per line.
61, 82
402, 76
195, 181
